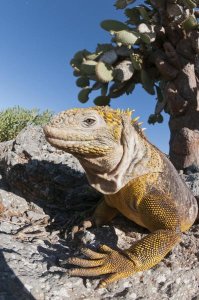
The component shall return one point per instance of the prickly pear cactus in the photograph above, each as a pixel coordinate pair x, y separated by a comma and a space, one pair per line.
143, 50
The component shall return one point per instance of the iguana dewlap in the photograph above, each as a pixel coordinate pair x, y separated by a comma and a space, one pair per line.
136, 179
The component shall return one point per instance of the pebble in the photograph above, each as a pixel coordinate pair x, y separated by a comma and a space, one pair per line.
132, 296
161, 278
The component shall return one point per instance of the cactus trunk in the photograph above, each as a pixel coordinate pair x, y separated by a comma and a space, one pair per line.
182, 97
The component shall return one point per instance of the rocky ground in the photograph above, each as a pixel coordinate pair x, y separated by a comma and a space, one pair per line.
44, 192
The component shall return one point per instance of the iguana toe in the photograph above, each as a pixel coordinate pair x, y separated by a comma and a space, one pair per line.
110, 262
82, 227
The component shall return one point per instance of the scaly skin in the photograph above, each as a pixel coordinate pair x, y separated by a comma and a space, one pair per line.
136, 179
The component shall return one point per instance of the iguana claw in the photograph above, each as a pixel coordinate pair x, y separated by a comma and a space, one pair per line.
82, 227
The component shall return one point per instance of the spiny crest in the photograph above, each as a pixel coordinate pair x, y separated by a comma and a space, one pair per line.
112, 116
137, 126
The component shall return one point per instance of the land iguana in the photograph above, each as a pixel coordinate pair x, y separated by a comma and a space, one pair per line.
136, 179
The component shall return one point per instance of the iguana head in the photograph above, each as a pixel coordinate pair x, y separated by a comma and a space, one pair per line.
103, 140
86, 132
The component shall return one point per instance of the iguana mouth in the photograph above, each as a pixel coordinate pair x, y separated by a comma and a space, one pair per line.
54, 134
65, 142
77, 147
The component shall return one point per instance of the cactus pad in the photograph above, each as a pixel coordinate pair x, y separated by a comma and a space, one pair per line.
83, 95
93, 56
133, 15
78, 58
88, 67
104, 72
102, 100
113, 25
148, 38
120, 4
147, 82
123, 71
82, 82
125, 37
104, 47
109, 57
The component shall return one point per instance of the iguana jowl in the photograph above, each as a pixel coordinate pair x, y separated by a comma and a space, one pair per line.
136, 179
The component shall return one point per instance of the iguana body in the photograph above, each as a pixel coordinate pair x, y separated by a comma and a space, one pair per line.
136, 179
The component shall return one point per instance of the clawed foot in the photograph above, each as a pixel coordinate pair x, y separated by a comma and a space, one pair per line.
107, 261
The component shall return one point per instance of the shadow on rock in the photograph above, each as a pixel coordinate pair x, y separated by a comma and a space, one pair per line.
49, 177
57, 254
62, 192
11, 288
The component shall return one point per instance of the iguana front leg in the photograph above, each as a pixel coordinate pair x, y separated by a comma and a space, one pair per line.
159, 215
102, 215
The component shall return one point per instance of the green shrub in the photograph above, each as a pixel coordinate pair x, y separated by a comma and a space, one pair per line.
14, 119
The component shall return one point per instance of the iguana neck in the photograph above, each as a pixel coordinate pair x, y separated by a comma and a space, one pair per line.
129, 160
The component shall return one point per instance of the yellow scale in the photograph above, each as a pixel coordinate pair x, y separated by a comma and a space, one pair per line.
128, 198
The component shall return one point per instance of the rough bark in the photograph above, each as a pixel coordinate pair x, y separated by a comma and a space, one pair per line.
179, 68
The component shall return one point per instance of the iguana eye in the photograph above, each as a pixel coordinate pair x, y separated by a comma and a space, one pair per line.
89, 121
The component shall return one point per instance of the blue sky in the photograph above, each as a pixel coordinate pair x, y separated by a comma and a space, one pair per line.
38, 39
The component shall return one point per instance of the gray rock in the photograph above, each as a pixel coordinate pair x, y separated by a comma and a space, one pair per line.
192, 180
